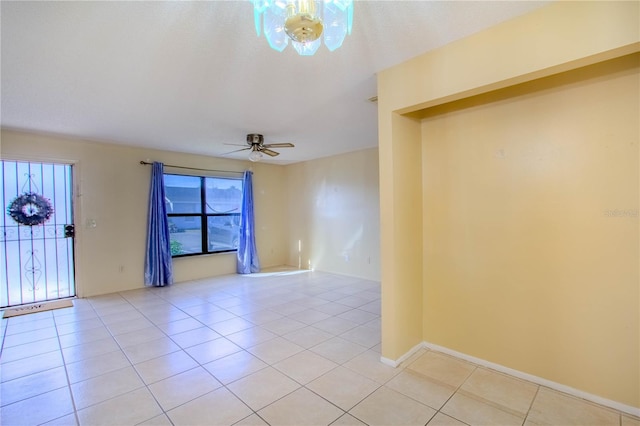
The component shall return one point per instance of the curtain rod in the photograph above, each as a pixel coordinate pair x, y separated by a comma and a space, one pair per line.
146, 163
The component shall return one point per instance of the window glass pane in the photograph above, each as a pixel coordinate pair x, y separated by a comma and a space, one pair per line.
182, 194
185, 235
223, 195
223, 232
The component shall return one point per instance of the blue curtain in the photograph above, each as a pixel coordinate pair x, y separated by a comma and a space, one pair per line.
247, 253
158, 269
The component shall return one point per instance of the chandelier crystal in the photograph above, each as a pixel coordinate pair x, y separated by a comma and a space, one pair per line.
304, 23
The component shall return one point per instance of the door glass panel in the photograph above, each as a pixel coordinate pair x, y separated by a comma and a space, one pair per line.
36, 243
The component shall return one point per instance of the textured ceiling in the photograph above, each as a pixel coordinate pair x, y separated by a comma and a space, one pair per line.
192, 76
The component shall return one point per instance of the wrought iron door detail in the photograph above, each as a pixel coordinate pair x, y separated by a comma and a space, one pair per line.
36, 242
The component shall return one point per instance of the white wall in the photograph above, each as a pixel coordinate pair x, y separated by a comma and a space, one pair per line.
334, 220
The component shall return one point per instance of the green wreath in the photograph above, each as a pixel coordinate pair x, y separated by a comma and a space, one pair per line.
30, 209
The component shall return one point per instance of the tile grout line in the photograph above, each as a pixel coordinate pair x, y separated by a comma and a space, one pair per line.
66, 373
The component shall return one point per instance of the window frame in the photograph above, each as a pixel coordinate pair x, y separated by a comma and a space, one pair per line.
204, 215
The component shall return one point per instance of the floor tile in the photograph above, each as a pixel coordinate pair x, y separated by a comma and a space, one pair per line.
262, 316
183, 387
251, 337
552, 407
200, 309
28, 324
68, 420
363, 336
443, 368
219, 407
310, 316
338, 350
263, 387
106, 386
89, 350
142, 335
368, 364
252, 420
289, 308
130, 314
212, 350
630, 421
128, 409
508, 393
212, 317
163, 316
165, 366
333, 309
343, 387
40, 347
283, 326
161, 420
229, 302
275, 350
29, 336
194, 337
475, 412
347, 420
151, 349
373, 307
32, 385
179, 326
387, 407
31, 365
96, 366
335, 325
234, 366
308, 336
421, 389
124, 327
358, 316
305, 366
353, 301
85, 336
441, 419
75, 327
231, 326
301, 407
38, 409
79, 316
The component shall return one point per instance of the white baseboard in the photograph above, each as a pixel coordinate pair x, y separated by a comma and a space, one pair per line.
403, 358
634, 411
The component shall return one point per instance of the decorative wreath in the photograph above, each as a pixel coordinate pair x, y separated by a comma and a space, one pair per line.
30, 209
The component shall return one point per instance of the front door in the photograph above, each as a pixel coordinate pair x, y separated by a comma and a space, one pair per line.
36, 242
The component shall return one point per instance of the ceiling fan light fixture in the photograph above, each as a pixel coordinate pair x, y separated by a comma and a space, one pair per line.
255, 156
306, 23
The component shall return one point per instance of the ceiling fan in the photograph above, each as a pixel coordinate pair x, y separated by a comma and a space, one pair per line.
258, 147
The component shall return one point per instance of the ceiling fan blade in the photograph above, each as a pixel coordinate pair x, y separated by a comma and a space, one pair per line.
269, 152
235, 144
237, 150
279, 145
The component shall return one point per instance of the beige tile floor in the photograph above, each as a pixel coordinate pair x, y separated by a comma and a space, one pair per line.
287, 348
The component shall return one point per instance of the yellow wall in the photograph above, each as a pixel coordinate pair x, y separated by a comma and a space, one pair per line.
525, 263
112, 188
333, 210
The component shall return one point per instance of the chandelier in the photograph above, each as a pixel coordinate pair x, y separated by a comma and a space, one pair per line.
306, 23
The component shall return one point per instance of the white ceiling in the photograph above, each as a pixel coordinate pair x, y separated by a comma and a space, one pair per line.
192, 76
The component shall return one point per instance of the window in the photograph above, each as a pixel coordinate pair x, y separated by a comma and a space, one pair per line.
204, 214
